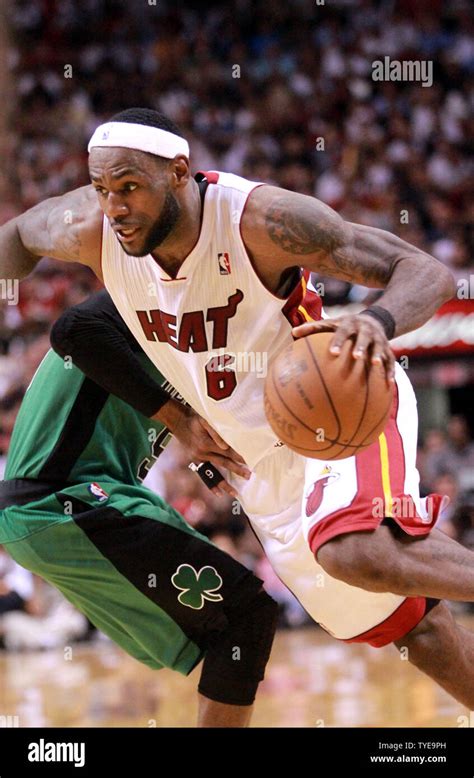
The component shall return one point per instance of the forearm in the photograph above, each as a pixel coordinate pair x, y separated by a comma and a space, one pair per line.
417, 287
97, 341
415, 284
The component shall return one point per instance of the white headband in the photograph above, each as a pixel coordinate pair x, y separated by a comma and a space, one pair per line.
140, 137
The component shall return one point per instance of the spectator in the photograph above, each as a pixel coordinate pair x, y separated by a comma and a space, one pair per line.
446, 483
432, 457
455, 456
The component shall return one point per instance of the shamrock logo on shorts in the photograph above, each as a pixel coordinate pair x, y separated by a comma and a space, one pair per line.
197, 586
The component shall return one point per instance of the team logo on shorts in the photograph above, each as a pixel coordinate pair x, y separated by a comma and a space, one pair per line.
224, 263
97, 492
315, 497
196, 587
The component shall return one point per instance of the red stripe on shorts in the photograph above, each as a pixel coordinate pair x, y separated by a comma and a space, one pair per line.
404, 619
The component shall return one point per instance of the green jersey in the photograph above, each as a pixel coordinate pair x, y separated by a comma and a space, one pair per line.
70, 429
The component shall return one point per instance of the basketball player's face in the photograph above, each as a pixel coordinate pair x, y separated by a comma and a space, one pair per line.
135, 194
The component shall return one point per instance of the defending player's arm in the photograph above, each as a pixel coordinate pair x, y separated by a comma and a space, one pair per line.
95, 337
68, 228
283, 229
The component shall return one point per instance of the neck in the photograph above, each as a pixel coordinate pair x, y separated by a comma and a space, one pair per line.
171, 254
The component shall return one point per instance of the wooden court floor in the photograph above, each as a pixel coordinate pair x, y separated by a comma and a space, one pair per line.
312, 681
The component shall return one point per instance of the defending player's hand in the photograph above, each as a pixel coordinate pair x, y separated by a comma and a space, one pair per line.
212, 478
370, 340
202, 442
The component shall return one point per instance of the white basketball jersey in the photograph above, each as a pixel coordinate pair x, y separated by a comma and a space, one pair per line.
214, 329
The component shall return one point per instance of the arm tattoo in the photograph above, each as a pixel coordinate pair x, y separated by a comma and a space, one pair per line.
63, 232
70, 243
361, 268
300, 234
342, 267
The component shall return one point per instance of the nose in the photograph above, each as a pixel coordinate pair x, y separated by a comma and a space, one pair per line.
115, 206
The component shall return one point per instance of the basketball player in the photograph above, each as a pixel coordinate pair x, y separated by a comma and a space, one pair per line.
73, 510
200, 280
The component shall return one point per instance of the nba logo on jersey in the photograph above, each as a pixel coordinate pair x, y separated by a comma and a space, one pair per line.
97, 492
224, 263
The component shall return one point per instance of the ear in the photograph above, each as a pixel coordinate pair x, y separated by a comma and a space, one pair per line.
180, 170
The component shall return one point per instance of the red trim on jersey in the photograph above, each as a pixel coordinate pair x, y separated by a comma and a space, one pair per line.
211, 175
302, 300
404, 619
359, 515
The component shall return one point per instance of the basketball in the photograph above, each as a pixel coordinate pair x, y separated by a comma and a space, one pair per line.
326, 406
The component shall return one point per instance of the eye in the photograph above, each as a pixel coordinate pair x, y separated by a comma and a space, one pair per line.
129, 187
100, 190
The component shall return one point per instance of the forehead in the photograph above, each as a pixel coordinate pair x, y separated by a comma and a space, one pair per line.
116, 160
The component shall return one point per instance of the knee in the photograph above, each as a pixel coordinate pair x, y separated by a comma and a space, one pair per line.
358, 560
251, 629
425, 643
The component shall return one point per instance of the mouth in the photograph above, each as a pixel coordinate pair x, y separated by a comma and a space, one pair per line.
126, 234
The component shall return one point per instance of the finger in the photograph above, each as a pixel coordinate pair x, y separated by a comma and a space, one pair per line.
310, 327
391, 366
366, 338
382, 354
219, 491
388, 360
227, 489
214, 435
224, 489
343, 333
222, 461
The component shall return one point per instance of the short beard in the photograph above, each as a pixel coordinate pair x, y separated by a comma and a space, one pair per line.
164, 224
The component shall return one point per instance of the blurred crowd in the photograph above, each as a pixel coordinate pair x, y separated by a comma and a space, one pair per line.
281, 93
446, 465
